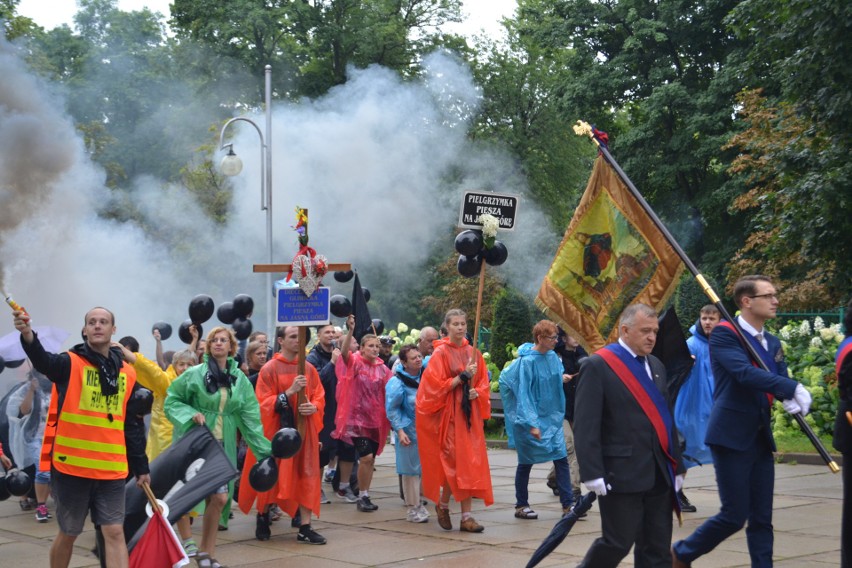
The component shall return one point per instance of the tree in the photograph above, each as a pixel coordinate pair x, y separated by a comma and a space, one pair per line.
512, 324
781, 229
652, 74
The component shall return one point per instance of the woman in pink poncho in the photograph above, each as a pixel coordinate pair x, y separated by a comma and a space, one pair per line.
361, 420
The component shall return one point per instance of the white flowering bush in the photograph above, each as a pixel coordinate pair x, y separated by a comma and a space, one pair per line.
809, 350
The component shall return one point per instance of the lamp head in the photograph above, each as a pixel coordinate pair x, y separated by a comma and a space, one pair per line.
231, 163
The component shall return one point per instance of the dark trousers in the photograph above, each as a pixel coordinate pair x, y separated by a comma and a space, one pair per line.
641, 518
563, 483
746, 482
846, 520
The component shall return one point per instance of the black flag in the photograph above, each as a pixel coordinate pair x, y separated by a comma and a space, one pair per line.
363, 321
672, 350
182, 476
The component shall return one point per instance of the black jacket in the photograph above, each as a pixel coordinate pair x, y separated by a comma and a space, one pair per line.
321, 359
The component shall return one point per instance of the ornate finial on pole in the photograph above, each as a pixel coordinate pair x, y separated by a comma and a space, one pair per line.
583, 129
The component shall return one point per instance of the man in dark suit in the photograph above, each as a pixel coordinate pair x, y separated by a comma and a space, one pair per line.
624, 436
739, 433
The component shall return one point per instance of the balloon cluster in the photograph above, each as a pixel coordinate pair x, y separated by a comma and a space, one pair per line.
340, 305
15, 482
473, 250
201, 308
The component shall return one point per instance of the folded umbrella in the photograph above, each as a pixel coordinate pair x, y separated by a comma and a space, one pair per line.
561, 529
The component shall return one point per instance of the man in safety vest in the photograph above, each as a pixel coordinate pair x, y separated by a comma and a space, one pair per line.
90, 444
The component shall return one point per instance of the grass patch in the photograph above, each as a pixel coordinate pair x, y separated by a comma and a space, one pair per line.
798, 443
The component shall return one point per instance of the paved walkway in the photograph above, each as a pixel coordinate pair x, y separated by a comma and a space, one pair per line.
807, 528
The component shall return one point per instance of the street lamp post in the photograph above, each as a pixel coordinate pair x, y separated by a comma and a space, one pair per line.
232, 165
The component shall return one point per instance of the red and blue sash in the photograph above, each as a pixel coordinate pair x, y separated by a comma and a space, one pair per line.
765, 356
843, 350
650, 399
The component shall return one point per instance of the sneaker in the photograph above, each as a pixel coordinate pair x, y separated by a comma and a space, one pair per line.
685, 505
365, 505
347, 495
310, 536
42, 514
296, 521
329, 476
444, 518
525, 513
190, 547
275, 512
423, 512
416, 516
470, 525
262, 530
323, 499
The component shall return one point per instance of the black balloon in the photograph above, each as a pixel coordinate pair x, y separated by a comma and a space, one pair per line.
379, 326
14, 364
201, 308
344, 275
242, 328
183, 331
340, 306
264, 474
366, 293
497, 254
469, 243
164, 329
286, 443
243, 305
140, 402
469, 266
4, 492
17, 482
225, 313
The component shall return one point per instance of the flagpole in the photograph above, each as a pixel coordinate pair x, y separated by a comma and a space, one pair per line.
478, 306
584, 128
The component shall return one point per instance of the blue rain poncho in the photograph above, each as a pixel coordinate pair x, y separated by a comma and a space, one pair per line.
695, 400
531, 389
399, 406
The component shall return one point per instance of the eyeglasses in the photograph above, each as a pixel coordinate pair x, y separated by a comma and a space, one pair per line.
220, 340
767, 296
551, 337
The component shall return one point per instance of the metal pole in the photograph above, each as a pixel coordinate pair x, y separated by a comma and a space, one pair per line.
270, 325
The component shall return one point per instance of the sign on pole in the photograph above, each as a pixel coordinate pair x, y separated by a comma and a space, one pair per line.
295, 308
476, 203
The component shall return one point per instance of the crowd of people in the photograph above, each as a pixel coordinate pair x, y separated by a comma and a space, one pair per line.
604, 420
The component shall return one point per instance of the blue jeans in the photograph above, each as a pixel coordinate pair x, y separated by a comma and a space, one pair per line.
563, 483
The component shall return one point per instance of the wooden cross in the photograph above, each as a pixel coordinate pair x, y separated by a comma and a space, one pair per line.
303, 331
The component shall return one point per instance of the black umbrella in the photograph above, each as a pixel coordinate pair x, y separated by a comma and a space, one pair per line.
561, 529
672, 350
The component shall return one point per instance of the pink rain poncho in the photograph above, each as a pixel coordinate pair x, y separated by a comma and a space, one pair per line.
361, 400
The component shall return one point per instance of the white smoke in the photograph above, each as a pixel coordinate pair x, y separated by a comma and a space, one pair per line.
380, 162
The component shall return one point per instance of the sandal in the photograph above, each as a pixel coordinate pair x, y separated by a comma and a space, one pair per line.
203, 560
525, 513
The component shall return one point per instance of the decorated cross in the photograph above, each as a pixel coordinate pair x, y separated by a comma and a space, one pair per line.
309, 303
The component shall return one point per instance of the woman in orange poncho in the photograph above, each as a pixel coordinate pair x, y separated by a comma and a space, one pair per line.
452, 402
299, 477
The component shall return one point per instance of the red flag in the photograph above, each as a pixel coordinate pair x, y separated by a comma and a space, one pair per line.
159, 546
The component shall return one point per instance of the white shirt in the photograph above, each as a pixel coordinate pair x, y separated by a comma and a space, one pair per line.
629, 350
746, 327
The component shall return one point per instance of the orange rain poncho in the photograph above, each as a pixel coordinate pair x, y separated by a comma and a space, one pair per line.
449, 450
299, 479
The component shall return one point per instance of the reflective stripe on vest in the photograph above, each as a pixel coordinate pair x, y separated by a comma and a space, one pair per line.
89, 432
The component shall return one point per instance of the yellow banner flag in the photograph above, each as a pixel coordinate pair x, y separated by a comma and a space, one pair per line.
611, 256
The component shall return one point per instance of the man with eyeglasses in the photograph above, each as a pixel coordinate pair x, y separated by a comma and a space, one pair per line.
739, 432
534, 405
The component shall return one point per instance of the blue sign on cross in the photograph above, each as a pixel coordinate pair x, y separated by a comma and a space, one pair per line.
295, 308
